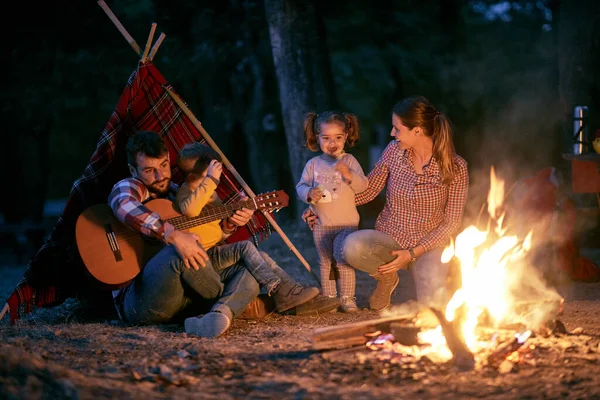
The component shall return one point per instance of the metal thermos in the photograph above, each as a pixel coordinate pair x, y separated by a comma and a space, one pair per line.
580, 130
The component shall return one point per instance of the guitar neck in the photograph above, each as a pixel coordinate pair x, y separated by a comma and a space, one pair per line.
209, 214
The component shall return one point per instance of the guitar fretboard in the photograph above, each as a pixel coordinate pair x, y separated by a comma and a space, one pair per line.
209, 214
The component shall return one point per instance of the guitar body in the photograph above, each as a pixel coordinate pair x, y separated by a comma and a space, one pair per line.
114, 254
116, 265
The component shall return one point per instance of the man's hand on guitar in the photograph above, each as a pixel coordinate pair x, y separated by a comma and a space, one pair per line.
188, 247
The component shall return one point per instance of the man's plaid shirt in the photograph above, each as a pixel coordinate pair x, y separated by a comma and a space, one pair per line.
127, 200
419, 209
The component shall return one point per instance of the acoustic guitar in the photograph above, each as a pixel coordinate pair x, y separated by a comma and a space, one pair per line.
114, 253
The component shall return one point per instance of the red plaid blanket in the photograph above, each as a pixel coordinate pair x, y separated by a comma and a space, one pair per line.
56, 272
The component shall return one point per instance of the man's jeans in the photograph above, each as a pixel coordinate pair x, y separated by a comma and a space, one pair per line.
367, 249
245, 253
166, 289
275, 268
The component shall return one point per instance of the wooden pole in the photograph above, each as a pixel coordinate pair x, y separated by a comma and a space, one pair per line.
156, 46
4, 310
148, 43
231, 168
120, 27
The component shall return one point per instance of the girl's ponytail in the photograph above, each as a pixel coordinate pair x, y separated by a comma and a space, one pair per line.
310, 133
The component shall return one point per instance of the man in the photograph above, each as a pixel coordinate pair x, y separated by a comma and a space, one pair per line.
180, 279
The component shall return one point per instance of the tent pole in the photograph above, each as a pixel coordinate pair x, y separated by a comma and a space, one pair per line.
120, 27
231, 168
4, 310
156, 46
148, 43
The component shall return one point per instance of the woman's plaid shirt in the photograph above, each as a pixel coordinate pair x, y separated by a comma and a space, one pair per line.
419, 209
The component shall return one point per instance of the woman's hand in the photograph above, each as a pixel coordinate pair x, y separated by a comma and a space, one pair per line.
310, 218
400, 262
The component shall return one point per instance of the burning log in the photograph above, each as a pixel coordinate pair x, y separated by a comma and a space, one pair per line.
462, 356
507, 348
353, 334
551, 327
405, 334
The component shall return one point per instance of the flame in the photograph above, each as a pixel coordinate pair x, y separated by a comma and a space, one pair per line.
493, 269
495, 195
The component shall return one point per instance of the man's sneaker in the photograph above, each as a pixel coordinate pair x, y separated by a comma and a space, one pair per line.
348, 305
261, 307
382, 295
290, 294
319, 305
209, 325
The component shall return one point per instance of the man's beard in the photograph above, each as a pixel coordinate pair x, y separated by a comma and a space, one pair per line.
155, 187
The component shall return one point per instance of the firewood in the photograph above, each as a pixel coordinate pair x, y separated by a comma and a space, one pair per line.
462, 356
505, 349
353, 334
405, 333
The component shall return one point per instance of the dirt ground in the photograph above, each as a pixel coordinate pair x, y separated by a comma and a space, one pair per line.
63, 353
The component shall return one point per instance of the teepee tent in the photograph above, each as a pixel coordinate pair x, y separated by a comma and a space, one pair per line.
148, 102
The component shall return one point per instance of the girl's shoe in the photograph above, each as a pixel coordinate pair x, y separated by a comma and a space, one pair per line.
348, 305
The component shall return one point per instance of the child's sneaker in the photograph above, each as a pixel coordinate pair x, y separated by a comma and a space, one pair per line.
291, 294
348, 305
319, 305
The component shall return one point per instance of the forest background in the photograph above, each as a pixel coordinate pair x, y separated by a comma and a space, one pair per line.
508, 75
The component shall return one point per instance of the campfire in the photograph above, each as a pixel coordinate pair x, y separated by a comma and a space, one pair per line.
501, 302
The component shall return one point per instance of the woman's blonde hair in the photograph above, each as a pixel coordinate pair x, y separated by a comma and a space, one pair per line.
418, 111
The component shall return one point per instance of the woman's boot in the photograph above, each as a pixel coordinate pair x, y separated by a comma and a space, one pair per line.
382, 295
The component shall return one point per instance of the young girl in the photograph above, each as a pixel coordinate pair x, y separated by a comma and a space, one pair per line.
328, 183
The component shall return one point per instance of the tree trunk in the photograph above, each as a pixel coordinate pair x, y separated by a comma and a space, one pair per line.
578, 46
302, 69
254, 107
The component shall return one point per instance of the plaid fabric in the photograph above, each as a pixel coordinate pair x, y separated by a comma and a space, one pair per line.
56, 271
25, 298
419, 209
328, 241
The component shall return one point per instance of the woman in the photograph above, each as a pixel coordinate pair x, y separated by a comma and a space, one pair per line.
427, 185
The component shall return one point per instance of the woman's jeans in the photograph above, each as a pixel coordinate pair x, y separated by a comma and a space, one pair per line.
367, 249
166, 288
